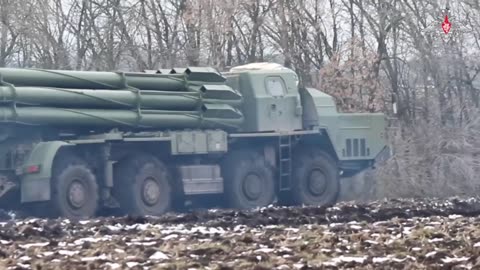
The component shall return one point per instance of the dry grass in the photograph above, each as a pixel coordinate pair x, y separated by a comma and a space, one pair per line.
432, 161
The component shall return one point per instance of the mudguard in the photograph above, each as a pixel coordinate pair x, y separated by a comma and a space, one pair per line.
35, 186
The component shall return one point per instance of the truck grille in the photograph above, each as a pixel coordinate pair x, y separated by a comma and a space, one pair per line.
355, 148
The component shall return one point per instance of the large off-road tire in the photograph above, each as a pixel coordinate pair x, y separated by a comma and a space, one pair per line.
74, 188
315, 178
142, 186
248, 179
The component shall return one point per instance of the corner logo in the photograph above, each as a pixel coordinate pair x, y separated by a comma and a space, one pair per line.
446, 25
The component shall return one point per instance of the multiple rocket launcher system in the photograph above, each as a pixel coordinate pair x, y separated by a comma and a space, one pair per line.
183, 98
64, 145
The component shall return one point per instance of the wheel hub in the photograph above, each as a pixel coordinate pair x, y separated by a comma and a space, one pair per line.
252, 186
77, 194
151, 191
317, 182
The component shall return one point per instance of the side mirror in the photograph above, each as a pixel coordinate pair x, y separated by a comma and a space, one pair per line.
298, 107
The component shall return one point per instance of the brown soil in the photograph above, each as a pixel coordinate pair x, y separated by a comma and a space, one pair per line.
395, 234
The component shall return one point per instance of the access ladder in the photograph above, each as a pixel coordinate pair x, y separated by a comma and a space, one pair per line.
285, 162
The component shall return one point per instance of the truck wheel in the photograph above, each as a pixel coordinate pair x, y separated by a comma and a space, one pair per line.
74, 188
142, 186
249, 181
315, 178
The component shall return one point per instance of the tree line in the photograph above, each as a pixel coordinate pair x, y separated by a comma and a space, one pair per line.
368, 54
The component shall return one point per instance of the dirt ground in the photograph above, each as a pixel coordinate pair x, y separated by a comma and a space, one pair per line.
396, 234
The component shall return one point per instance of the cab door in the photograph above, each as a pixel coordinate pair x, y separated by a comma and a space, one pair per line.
276, 92
283, 104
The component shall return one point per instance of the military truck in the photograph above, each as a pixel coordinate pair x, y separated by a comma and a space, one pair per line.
75, 142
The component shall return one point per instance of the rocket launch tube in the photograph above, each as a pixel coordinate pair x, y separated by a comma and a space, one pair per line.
108, 99
211, 116
93, 79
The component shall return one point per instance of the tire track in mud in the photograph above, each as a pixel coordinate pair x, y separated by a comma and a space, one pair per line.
342, 212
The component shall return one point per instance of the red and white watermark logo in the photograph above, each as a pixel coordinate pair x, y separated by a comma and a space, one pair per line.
446, 25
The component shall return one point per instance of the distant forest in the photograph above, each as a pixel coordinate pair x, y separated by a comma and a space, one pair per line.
368, 54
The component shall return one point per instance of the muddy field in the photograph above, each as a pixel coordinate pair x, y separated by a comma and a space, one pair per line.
407, 234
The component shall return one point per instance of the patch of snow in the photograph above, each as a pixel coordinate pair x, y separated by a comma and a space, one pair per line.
132, 264
435, 240
299, 265
455, 260
87, 239
24, 258
48, 253
22, 265
171, 236
264, 250
381, 259
159, 256
239, 228
434, 223
115, 228
404, 259
26, 246
337, 260
140, 227
430, 254
207, 230
68, 252
113, 265
94, 258
138, 243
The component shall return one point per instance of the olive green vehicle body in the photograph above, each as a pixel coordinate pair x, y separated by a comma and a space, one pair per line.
193, 116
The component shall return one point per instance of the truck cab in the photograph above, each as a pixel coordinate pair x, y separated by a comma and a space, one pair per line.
275, 103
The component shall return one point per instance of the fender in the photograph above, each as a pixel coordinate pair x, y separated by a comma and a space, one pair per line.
36, 172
